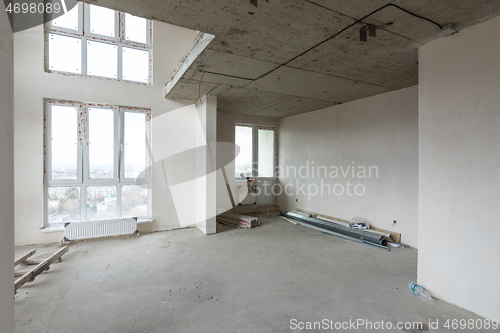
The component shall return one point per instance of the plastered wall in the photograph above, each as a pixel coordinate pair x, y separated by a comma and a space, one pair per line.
6, 175
378, 135
176, 129
459, 122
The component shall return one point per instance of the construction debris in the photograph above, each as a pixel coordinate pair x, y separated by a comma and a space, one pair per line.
359, 223
235, 220
29, 275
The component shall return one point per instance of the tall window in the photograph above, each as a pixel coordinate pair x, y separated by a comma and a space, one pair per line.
244, 160
257, 156
97, 162
95, 41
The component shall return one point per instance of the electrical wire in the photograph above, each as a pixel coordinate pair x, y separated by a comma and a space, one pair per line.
344, 29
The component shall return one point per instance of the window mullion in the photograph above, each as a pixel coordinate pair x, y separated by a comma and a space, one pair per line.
83, 202
255, 152
118, 192
48, 145
85, 144
119, 73
81, 137
84, 56
117, 143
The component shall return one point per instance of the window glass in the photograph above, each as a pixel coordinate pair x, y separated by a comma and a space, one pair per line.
135, 65
102, 59
102, 21
243, 162
266, 153
136, 29
88, 41
65, 54
135, 152
68, 20
101, 143
101, 202
63, 204
106, 150
64, 142
134, 201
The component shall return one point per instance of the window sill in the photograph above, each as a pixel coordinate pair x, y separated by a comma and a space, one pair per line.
51, 229
58, 229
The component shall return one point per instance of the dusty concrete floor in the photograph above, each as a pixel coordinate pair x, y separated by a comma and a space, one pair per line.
238, 280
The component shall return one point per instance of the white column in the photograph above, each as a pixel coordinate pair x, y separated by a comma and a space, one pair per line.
206, 191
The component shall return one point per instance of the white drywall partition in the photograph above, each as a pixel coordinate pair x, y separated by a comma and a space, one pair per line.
6, 175
459, 154
206, 164
355, 159
33, 84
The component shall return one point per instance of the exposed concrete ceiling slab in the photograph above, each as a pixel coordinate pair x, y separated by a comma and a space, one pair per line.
462, 13
352, 9
393, 20
313, 85
387, 60
284, 57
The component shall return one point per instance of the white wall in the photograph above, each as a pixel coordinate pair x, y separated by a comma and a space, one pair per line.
6, 175
33, 84
459, 135
226, 123
379, 131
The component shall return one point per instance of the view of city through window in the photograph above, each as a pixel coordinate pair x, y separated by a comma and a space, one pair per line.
243, 162
93, 175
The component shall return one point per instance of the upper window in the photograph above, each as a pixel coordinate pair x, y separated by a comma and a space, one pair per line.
97, 162
95, 41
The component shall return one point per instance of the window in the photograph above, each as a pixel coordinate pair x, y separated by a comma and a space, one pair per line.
95, 157
244, 161
95, 41
257, 157
266, 152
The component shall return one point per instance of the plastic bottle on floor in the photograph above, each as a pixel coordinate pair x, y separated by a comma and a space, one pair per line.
420, 291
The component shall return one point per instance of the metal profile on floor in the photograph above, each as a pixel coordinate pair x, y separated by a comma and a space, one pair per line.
356, 235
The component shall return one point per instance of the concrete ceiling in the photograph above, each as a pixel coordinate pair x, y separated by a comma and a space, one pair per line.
286, 57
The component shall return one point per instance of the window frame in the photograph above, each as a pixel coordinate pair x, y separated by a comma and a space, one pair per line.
83, 181
84, 35
255, 150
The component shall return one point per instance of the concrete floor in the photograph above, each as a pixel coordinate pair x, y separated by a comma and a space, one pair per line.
238, 280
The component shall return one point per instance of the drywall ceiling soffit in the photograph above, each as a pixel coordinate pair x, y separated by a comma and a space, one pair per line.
257, 63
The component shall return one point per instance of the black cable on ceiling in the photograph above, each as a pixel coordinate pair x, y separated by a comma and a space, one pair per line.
344, 29
324, 41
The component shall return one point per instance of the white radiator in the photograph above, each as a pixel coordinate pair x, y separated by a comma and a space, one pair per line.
101, 228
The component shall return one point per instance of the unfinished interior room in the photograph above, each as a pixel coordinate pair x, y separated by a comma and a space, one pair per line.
249, 166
